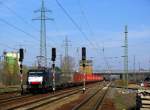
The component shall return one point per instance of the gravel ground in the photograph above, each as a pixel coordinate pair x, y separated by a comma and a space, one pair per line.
55, 105
73, 103
69, 102
125, 101
108, 103
116, 100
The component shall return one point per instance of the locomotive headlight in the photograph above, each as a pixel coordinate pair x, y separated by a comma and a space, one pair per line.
35, 79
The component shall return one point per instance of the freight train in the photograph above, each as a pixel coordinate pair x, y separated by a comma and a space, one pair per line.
41, 80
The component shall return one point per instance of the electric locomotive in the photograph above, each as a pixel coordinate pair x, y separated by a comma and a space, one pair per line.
40, 80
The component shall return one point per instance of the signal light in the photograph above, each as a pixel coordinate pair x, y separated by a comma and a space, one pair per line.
83, 64
21, 53
83, 53
53, 54
21, 65
21, 71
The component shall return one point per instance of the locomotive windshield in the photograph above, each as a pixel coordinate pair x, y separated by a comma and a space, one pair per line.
35, 73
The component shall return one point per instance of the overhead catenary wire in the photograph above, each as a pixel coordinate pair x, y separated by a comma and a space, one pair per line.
79, 28
74, 22
92, 34
87, 22
105, 60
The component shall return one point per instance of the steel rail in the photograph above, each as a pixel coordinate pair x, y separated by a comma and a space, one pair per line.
43, 100
89, 98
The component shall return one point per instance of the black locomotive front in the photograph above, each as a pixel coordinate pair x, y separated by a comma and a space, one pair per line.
39, 80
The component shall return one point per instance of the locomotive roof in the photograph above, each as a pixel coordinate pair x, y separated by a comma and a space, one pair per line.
38, 70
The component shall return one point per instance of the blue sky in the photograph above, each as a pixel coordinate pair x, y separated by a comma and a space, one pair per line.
106, 20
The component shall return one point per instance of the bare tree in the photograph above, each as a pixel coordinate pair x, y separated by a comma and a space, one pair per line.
67, 68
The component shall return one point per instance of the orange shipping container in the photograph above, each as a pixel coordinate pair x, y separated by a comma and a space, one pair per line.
88, 77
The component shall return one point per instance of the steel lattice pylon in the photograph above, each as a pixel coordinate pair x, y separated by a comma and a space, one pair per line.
126, 56
42, 59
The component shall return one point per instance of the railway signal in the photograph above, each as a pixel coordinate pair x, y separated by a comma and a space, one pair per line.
21, 54
83, 65
21, 57
53, 54
53, 66
83, 53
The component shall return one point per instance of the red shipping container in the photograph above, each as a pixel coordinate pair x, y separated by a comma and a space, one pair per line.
78, 77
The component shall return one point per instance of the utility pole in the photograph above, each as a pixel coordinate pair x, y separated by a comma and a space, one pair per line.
134, 64
78, 60
134, 67
0, 59
107, 64
149, 65
126, 56
139, 66
66, 65
61, 61
66, 46
42, 59
105, 60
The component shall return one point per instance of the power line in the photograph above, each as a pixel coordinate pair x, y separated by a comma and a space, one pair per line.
91, 31
5, 45
74, 22
17, 15
106, 61
92, 34
17, 28
21, 18
87, 22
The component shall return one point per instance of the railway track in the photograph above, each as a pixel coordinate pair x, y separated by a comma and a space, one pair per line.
28, 102
12, 98
34, 99
8, 94
11, 94
93, 101
45, 101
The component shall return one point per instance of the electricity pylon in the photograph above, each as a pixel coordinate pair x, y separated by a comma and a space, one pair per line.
42, 59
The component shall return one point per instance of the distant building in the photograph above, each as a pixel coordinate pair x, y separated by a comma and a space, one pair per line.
88, 67
11, 60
